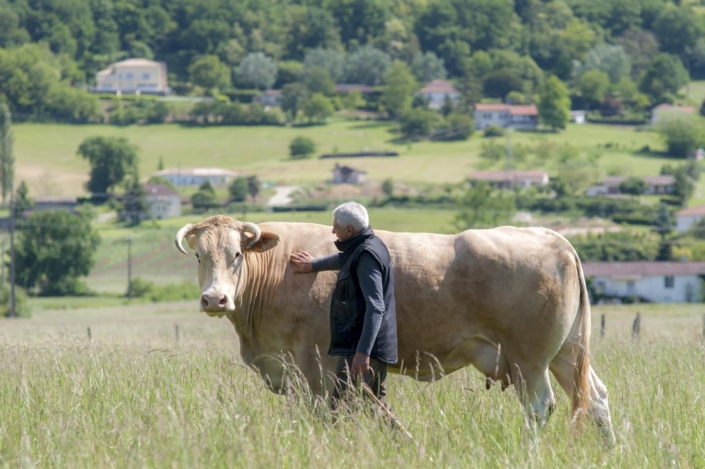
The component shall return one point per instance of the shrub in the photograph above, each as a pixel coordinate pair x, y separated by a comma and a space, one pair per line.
238, 189
141, 288
21, 307
493, 131
301, 147
417, 122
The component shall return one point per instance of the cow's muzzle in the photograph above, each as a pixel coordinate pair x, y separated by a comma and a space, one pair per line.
214, 302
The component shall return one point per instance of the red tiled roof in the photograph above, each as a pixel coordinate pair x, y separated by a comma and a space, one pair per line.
699, 210
439, 86
158, 189
273, 92
512, 109
670, 107
665, 180
348, 87
642, 269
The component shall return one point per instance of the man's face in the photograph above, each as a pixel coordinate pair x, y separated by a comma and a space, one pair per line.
343, 234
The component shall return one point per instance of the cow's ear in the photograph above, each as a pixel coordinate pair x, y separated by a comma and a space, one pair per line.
266, 241
192, 240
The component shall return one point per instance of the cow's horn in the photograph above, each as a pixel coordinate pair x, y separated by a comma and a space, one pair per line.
186, 230
254, 229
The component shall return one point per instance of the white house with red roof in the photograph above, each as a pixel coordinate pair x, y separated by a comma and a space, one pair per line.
132, 75
664, 112
688, 217
656, 282
162, 201
271, 98
511, 179
518, 116
437, 91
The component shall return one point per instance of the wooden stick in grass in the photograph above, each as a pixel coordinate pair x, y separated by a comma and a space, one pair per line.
376, 400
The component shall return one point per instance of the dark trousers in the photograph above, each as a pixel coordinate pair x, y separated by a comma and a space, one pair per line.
377, 381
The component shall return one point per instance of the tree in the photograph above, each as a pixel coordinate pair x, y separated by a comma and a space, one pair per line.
427, 67
666, 75
7, 157
593, 86
205, 198
683, 136
399, 89
318, 81
500, 83
612, 60
135, 206
209, 72
256, 71
641, 46
293, 98
111, 160
367, 66
54, 248
677, 29
417, 122
354, 100
388, 187
481, 206
360, 21
684, 186
22, 200
318, 108
238, 189
554, 103
301, 147
457, 127
633, 185
253, 187
311, 26
330, 59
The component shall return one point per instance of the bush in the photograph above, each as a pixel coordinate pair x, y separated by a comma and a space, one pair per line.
493, 131
238, 189
141, 288
21, 307
417, 122
67, 286
456, 127
301, 147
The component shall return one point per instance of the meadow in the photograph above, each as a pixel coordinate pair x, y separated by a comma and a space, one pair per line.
137, 397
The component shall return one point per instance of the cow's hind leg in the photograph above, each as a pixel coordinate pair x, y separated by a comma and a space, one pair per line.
535, 393
598, 409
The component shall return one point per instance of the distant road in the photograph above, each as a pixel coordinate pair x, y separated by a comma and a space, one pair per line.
282, 196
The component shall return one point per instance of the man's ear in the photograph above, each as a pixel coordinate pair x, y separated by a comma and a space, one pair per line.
267, 241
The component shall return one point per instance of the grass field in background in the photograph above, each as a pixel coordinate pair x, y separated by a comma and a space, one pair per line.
46, 153
137, 398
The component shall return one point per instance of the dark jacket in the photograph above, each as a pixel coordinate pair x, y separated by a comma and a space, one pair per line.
348, 306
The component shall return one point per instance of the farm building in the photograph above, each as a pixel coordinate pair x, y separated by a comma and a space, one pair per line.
196, 176
656, 282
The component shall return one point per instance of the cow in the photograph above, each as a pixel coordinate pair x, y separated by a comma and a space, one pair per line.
510, 301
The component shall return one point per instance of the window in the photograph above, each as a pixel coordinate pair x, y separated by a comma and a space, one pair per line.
630, 286
145, 76
601, 286
669, 281
128, 76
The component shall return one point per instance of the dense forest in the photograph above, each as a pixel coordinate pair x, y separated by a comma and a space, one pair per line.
629, 54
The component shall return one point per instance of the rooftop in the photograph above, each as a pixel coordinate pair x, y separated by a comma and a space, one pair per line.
512, 109
699, 210
195, 172
159, 189
439, 86
348, 87
642, 269
665, 180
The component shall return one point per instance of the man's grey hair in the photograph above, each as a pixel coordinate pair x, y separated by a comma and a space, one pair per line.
351, 214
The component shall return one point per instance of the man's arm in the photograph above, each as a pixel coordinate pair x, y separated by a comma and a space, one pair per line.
305, 263
369, 274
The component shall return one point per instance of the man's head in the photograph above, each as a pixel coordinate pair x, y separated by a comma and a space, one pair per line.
349, 219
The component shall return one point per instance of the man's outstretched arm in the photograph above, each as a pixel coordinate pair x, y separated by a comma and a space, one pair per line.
305, 263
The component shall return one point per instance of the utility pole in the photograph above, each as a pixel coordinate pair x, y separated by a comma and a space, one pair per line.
13, 310
129, 267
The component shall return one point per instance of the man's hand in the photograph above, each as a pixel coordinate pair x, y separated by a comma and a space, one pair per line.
361, 365
303, 262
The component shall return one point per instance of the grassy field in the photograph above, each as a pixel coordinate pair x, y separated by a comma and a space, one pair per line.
136, 397
46, 153
156, 259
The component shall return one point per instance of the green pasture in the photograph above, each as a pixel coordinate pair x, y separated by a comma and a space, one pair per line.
155, 258
135, 397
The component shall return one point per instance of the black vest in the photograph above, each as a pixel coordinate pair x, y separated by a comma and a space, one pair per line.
347, 309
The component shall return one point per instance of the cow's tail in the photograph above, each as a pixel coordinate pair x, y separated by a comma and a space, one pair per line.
581, 351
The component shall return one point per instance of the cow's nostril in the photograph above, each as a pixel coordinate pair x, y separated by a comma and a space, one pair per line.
204, 301
223, 300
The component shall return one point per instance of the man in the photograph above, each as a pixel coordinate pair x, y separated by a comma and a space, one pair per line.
362, 315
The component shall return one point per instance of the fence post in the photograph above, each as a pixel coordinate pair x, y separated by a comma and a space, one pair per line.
90, 336
602, 326
703, 325
178, 333
636, 327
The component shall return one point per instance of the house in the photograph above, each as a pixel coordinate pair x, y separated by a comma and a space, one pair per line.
348, 175
654, 185
657, 282
517, 116
196, 176
133, 75
511, 179
344, 88
437, 91
689, 217
162, 201
272, 98
663, 112
578, 116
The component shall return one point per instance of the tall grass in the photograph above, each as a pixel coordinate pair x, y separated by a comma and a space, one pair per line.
159, 403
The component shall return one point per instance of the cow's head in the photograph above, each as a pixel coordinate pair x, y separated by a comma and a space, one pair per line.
221, 245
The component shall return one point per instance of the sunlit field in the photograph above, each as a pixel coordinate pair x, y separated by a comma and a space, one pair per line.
137, 397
